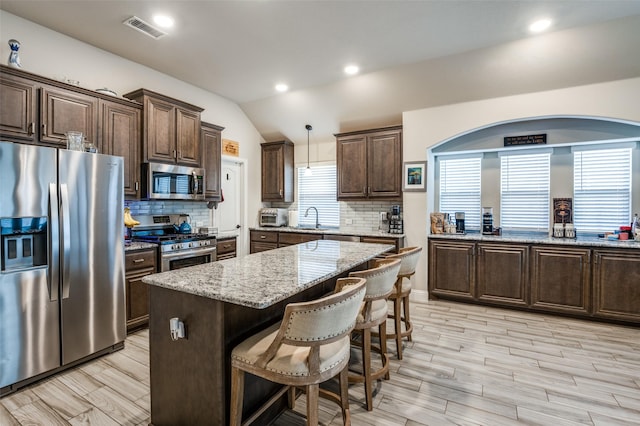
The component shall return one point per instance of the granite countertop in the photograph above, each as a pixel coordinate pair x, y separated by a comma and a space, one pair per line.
137, 245
333, 231
540, 238
260, 280
227, 234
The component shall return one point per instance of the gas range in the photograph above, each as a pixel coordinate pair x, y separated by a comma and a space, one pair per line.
174, 242
160, 229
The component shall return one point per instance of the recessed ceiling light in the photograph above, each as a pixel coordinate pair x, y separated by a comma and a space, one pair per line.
351, 69
540, 25
163, 21
281, 87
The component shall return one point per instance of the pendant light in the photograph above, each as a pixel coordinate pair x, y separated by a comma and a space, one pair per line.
308, 171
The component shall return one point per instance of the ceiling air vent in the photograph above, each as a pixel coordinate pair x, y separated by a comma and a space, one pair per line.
138, 24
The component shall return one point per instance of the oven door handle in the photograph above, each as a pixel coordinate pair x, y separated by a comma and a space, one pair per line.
198, 251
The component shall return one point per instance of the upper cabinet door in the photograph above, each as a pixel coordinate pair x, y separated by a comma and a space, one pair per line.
384, 160
277, 171
352, 167
160, 131
17, 108
188, 145
121, 136
62, 111
211, 141
369, 164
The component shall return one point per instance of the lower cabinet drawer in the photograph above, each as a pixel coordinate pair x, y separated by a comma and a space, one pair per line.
257, 247
225, 247
139, 260
264, 236
289, 238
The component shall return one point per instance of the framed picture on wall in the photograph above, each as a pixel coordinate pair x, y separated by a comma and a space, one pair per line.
414, 176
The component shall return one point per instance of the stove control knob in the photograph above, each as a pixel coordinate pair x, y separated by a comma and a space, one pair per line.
190, 245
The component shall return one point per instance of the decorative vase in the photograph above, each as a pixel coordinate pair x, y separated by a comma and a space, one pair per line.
14, 59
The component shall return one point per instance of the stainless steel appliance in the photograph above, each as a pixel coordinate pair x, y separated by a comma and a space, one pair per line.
460, 223
176, 250
169, 182
273, 217
62, 293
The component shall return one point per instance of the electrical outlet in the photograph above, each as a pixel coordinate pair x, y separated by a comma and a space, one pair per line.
348, 221
383, 215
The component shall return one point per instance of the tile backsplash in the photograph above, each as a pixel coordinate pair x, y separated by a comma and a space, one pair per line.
357, 216
198, 211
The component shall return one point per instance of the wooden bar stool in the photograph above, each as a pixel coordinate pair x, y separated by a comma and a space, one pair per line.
400, 296
311, 345
380, 282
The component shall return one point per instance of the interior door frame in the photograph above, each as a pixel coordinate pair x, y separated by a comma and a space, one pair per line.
243, 236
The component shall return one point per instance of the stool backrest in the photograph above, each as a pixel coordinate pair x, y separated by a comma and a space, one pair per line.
326, 319
380, 279
409, 257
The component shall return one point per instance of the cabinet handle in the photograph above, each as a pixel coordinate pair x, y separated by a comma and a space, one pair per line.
137, 186
368, 190
31, 128
175, 154
44, 128
262, 237
281, 192
138, 260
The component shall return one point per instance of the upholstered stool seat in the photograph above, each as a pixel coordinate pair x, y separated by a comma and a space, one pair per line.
400, 296
310, 346
380, 282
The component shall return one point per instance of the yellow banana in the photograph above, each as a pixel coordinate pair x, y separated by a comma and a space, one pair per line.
129, 221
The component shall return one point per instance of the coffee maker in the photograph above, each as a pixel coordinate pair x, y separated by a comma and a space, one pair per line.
395, 220
459, 222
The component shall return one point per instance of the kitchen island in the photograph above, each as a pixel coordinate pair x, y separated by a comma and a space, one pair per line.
221, 304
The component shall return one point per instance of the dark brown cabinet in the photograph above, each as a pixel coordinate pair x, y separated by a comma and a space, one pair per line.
263, 241
616, 284
120, 135
226, 248
18, 108
369, 164
211, 138
452, 269
277, 171
138, 264
62, 111
580, 281
502, 273
560, 279
171, 129
292, 238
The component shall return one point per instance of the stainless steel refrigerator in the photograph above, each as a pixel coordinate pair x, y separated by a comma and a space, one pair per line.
62, 294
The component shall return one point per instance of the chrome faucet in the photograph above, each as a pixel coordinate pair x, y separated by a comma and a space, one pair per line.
307, 214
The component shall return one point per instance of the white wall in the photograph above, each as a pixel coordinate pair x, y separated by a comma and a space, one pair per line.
56, 56
422, 129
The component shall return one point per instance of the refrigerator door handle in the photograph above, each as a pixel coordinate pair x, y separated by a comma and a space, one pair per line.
66, 239
54, 243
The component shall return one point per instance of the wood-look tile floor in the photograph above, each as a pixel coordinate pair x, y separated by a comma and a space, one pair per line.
467, 365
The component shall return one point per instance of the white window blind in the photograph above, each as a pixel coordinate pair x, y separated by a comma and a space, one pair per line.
524, 191
460, 189
601, 189
319, 191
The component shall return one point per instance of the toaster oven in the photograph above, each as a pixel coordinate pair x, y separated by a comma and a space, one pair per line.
273, 217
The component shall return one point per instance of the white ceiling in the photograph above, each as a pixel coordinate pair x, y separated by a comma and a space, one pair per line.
412, 54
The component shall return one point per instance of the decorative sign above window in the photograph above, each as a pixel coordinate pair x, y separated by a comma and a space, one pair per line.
525, 140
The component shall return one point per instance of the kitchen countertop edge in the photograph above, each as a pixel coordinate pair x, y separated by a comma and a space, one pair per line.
539, 239
328, 231
263, 279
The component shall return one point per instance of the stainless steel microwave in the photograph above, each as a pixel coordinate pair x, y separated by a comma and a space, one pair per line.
169, 182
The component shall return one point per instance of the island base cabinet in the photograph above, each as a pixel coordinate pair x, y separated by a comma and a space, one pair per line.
138, 264
191, 377
452, 269
560, 279
502, 274
616, 279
